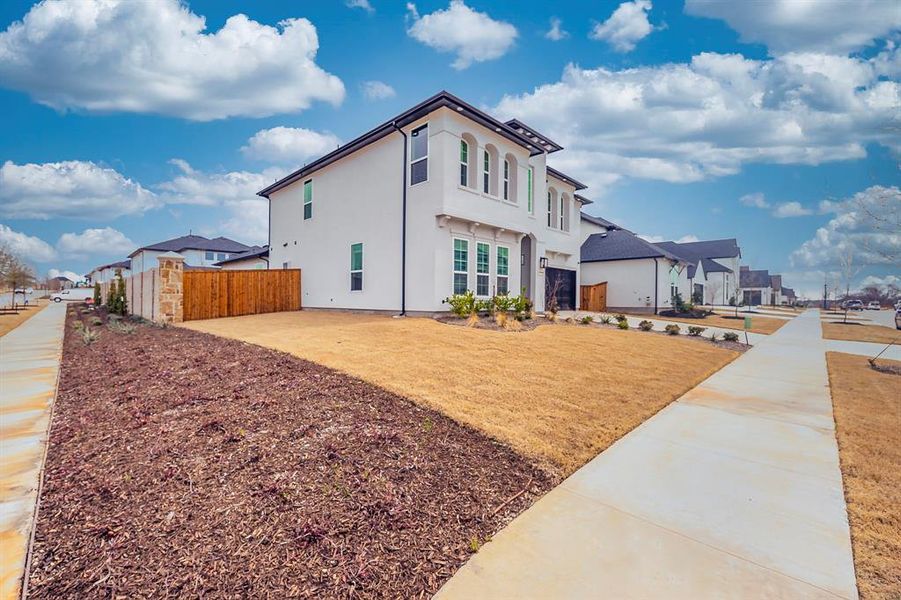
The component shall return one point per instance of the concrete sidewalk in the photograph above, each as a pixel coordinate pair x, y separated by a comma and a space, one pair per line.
732, 491
29, 367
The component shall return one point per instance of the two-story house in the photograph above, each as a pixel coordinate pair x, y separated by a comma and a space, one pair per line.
197, 250
439, 200
106, 273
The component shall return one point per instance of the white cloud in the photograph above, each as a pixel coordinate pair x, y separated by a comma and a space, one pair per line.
246, 214
106, 241
291, 145
377, 90
757, 200
27, 247
880, 282
684, 122
654, 239
473, 36
70, 275
866, 227
154, 57
69, 189
626, 26
556, 32
364, 4
791, 209
686, 239
793, 25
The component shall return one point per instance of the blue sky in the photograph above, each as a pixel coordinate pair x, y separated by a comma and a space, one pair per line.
773, 122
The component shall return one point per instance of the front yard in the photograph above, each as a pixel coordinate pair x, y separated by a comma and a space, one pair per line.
559, 394
759, 324
868, 427
10, 321
186, 465
858, 332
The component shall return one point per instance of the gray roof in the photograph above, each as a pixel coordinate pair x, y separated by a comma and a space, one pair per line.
619, 244
711, 266
254, 252
788, 292
543, 140
776, 282
122, 264
583, 199
196, 242
754, 279
565, 178
600, 221
440, 100
725, 248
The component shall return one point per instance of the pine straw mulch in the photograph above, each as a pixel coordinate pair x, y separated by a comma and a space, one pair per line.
185, 465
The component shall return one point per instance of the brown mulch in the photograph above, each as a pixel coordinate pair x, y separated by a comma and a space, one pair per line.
187, 465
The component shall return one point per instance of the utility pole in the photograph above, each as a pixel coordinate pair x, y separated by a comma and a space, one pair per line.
825, 295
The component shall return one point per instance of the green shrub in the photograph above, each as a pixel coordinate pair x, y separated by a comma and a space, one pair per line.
97, 298
677, 302
620, 318
89, 336
504, 303
96, 321
484, 306
713, 337
695, 330
672, 329
606, 320
78, 325
623, 324
462, 305
587, 320
119, 326
730, 336
645, 325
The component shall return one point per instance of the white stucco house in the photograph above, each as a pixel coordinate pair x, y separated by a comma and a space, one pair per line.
713, 273
441, 199
106, 273
257, 257
755, 286
197, 250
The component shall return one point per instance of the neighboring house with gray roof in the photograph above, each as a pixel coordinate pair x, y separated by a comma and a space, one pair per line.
106, 273
197, 250
257, 257
755, 286
713, 276
640, 276
592, 224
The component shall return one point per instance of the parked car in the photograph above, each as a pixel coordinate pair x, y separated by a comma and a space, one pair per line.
74, 294
874, 306
852, 305
898, 318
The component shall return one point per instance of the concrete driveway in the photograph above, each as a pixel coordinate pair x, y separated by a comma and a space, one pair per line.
733, 491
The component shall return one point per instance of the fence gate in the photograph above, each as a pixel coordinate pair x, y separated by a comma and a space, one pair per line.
215, 294
594, 297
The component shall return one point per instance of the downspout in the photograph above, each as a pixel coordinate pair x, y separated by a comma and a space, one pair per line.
655, 284
403, 229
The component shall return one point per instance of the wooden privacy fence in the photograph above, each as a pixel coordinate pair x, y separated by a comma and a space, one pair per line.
215, 294
594, 297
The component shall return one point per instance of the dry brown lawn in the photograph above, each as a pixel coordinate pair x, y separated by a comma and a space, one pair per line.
861, 333
867, 407
559, 393
10, 322
758, 324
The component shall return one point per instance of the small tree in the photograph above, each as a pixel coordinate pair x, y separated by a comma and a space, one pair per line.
97, 298
120, 288
14, 273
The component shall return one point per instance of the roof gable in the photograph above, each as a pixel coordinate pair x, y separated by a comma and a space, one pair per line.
754, 279
619, 244
195, 242
724, 248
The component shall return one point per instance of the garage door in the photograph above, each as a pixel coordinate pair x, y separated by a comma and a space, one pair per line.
564, 282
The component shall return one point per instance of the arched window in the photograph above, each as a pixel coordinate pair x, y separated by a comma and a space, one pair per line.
553, 210
464, 162
506, 179
511, 179
563, 209
486, 172
490, 166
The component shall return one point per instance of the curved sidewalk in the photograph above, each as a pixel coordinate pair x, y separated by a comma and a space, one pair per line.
29, 366
732, 491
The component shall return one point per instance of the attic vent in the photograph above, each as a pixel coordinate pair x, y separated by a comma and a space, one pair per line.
604, 234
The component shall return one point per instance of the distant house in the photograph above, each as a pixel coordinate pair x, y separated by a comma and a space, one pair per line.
197, 250
788, 296
255, 258
755, 286
714, 264
60, 283
776, 297
106, 273
640, 276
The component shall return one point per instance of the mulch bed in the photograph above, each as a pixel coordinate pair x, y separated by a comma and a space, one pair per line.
489, 323
186, 465
883, 367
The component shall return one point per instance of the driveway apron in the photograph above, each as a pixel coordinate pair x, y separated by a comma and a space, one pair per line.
732, 491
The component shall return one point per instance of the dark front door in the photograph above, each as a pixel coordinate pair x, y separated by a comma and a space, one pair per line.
562, 283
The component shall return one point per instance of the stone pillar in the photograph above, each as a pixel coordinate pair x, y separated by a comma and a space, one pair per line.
171, 292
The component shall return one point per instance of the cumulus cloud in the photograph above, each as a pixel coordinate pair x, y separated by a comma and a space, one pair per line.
626, 26
473, 36
556, 32
377, 90
69, 189
100, 241
790, 25
757, 200
364, 4
70, 275
291, 145
155, 57
246, 215
791, 209
683, 122
27, 247
880, 282
865, 227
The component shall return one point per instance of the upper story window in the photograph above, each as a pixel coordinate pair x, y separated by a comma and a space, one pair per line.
486, 172
531, 191
356, 267
464, 163
419, 154
563, 214
550, 209
506, 179
308, 199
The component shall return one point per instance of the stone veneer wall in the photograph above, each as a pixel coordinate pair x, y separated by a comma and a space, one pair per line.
171, 294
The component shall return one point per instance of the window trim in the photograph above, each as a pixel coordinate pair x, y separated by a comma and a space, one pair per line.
464, 163
307, 202
360, 270
506, 190
486, 172
497, 264
486, 273
422, 158
531, 191
550, 210
454, 241
562, 205
209, 255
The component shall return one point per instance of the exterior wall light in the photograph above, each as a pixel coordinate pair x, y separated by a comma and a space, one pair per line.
543, 262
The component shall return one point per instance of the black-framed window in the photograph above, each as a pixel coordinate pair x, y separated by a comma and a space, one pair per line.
419, 154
